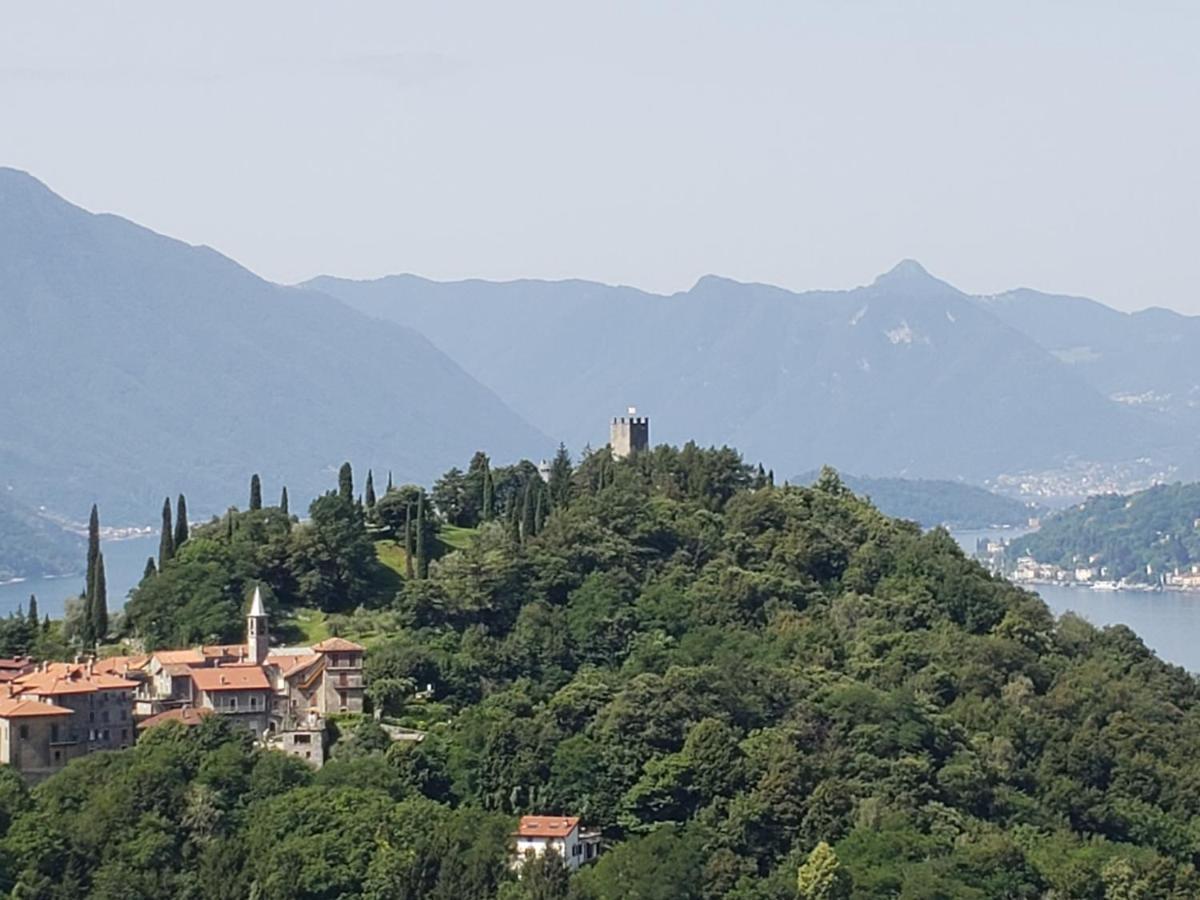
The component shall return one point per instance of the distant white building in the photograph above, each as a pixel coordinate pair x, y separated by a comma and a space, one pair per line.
536, 835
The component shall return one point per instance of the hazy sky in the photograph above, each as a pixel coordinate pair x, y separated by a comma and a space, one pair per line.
1049, 144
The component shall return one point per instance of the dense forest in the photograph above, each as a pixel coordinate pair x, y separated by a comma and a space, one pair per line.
1141, 536
932, 502
757, 692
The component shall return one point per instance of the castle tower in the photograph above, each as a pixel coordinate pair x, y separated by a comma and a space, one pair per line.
256, 630
630, 434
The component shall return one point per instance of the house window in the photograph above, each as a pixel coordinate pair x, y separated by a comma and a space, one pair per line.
254, 703
24, 732
58, 756
303, 739
54, 733
233, 702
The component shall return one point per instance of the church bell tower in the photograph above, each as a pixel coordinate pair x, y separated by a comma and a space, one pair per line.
256, 630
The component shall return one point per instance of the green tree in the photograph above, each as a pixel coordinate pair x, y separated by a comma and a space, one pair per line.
561, 473
93, 548
98, 606
181, 522
370, 490
422, 542
166, 540
150, 569
822, 877
488, 502
283, 501
346, 482
409, 544
255, 492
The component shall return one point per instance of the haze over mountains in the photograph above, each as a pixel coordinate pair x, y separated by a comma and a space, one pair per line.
905, 376
133, 366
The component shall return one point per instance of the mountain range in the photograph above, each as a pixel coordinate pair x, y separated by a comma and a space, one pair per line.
906, 376
135, 366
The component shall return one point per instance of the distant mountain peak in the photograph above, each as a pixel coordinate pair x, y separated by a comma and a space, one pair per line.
909, 276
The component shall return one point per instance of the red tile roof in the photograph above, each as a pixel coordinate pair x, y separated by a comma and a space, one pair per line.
21, 708
290, 664
121, 665
176, 657
337, 645
231, 678
547, 826
70, 678
187, 715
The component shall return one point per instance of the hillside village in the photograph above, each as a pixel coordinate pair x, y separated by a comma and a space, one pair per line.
54, 712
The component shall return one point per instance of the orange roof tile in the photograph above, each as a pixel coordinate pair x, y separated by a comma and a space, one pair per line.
337, 645
187, 715
547, 826
213, 651
120, 665
70, 678
290, 664
176, 657
231, 678
19, 708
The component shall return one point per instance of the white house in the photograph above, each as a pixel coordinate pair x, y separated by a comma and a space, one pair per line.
537, 834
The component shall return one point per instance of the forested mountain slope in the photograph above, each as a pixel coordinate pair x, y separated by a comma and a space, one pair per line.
931, 502
1141, 536
134, 365
31, 545
905, 376
750, 689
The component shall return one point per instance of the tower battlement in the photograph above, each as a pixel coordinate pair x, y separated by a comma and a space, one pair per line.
629, 434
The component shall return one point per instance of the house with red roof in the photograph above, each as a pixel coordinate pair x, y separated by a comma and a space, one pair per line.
537, 835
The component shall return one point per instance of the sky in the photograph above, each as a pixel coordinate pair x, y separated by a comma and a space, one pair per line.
1053, 145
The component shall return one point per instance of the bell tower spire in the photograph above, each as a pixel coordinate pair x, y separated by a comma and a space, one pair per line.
256, 630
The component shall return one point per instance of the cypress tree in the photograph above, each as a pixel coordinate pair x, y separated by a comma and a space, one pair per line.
346, 482
488, 506
283, 500
422, 550
255, 491
370, 490
561, 471
99, 605
408, 543
181, 522
33, 611
151, 569
229, 524
93, 551
166, 542
389, 486
539, 512
527, 514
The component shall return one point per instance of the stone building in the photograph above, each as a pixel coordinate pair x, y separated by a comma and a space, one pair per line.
629, 434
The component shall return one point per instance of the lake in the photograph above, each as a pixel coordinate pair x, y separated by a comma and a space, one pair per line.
124, 562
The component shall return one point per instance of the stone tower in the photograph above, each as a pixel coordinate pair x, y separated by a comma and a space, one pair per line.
630, 434
256, 630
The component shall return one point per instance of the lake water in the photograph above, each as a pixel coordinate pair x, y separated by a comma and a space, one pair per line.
124, 562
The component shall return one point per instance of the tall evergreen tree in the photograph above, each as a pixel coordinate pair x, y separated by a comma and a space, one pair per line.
539, 512
229, 517
283, 501
33, 611
255, 491
561, 471
166, 541
99, 604
93, 551
181, 522
370, 490
527, 513
151, 569
409, 570
346, 482
488, 506
422, 549
390, 487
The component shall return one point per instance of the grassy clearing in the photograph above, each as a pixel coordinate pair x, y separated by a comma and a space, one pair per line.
310, 623
391, 555
456, 538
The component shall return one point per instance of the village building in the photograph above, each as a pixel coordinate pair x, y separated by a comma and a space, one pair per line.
537, 835
52, 713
